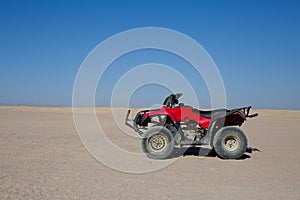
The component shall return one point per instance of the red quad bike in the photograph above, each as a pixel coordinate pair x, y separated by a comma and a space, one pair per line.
179, 124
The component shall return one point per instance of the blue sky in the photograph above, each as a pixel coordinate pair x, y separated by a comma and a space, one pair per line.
255, 44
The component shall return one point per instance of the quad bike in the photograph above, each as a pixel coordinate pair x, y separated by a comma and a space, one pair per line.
178, 124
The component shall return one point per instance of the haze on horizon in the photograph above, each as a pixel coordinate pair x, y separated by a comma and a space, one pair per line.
255, 44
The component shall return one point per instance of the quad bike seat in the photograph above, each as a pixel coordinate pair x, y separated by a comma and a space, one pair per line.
211, 113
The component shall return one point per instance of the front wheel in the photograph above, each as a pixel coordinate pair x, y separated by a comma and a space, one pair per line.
230, 143
157, 142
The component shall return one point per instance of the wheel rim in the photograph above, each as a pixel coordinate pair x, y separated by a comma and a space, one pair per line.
231, 143
157, 142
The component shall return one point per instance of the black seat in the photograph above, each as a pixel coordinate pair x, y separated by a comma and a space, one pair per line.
211, 113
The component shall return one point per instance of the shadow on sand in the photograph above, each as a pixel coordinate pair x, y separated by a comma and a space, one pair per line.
205, 152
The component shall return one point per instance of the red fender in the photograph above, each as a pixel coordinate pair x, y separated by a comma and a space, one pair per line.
163, 111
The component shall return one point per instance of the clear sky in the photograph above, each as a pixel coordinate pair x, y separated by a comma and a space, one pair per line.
255, 44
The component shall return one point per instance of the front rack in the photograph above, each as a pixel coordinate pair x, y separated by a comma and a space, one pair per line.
133, 125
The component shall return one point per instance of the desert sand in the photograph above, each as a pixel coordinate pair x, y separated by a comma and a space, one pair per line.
42, 157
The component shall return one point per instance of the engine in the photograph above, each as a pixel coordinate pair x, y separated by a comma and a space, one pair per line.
192, 130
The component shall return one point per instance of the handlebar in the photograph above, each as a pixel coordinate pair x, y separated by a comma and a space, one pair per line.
172, 99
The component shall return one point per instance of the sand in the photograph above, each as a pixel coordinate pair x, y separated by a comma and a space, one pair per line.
42, 157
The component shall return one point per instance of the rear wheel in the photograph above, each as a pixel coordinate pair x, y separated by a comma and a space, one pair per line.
158, 142
230, 143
